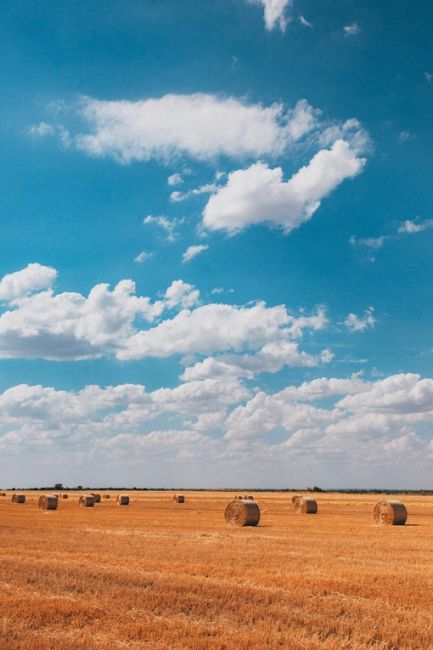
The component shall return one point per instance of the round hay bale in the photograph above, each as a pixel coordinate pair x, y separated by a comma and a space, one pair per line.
249, 498
305, 505
2, 494
179, 498
48, 502
242, 513
86, 501
390, 513
96, 497
107, 496
65, 496
296, 498
18, 498
122, 500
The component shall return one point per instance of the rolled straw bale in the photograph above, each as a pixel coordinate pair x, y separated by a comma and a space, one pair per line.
390, 513
296, 498
305, 505
249, 498
18, 498
242, 513
65, 496
107, 496
179, 498
2, 494
122, 500
86, 501
96, 497
309, 506
48, 502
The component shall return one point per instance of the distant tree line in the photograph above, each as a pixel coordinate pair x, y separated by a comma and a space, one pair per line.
59, 486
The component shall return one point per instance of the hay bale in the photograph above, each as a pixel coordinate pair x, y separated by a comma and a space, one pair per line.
86, 501
249, 498
296, 498
122, 500
96, 497
390, 513
107, 496
18, 498
65, 496
2, 494
305, 505
48, 502
242, 513
179, 498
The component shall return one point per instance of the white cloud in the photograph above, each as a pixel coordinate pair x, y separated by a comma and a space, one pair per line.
260, 195
202, 126
35, 322
21, 283
181, 294
399, 394
144, 256
405, 136
275, 12
351, 30
272, 357
208, 188
175, 179
409, 227
217, 328
360, 323
41, 130
68, 325
371, 433
193, 251
168, 225
369, 242
305, 22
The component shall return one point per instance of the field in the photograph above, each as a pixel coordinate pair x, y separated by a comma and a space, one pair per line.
157, 574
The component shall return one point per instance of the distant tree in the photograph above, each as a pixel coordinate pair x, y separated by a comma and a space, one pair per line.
79, 487
58, 486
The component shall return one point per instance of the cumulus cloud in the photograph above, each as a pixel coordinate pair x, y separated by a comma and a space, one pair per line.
274, 12
181, 294
33, 277
360, 323
217, 328
259, 194
144, 256
193, 251
175, 179
167, 225
36, 322
343, 423
272, 357
409, 227
179, 125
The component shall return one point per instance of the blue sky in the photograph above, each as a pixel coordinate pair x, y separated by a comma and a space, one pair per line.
215, 260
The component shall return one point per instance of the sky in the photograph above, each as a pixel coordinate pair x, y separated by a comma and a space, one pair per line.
215, 259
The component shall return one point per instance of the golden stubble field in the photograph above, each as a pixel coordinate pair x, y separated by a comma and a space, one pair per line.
157, 574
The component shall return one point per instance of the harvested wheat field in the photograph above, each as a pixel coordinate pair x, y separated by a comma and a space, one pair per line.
154, 575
